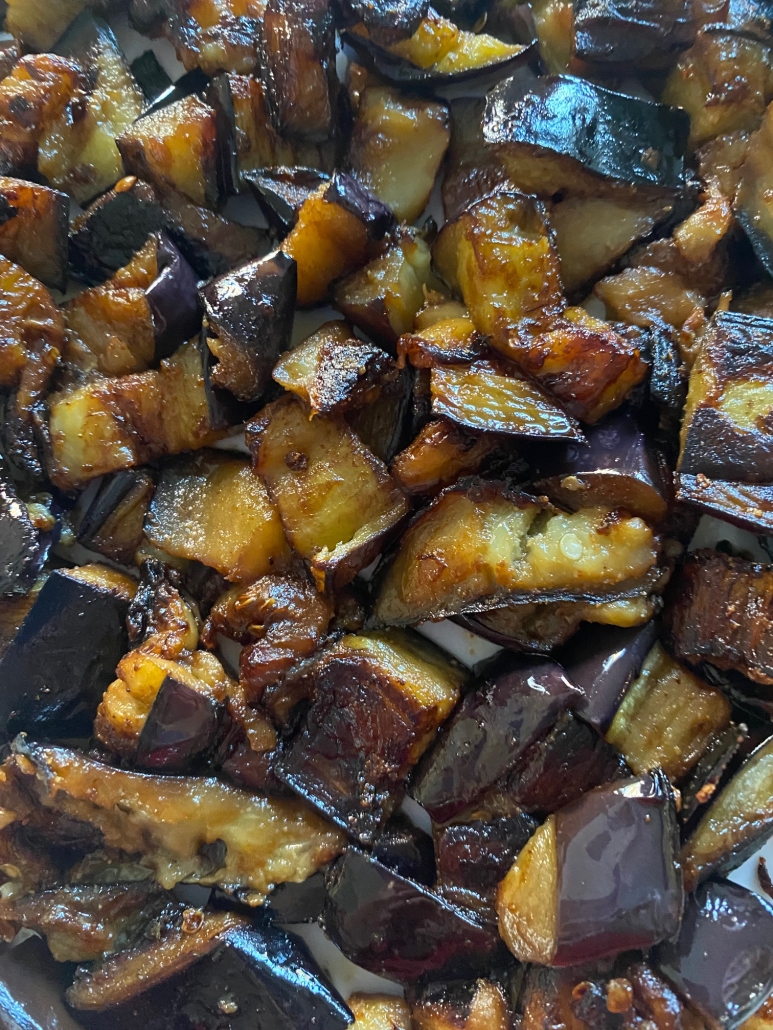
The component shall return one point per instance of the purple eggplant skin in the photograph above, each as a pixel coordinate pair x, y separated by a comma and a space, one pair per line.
619, 880
250, 312
396, 928
225, 411
631, 31
181, 726
399, 17
173, 298
23, 548
355, 198
32, 986
282, 192
722, 961
614, 465
62, 660
298, 902
194, 81
603, 661
748, 505
490, 731
406, 849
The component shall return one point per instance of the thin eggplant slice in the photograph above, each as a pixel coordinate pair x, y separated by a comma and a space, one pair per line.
748, 505
110, 513
33, 230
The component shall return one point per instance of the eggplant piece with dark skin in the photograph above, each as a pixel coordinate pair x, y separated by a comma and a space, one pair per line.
747, 505
711, 770
33, 983
490, 731
298, 902
61, 660
396, 928
393, 18
561, 133
225, 972
110, 513
472, 169
150, 76
249, 318
378, 701
379, 1012
33, 230
440, 454
622, 836
630, 33
722, 961
183, 724
749, 197
406, 849
461, 1006
214, 38
282, 192
24, 546
385, 425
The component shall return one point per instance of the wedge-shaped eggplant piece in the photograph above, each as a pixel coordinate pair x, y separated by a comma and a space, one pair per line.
723, 82
249, 316
737, 823
491, 730
394, 927
337, 502
472, 168
282, 192
583, 362
219, 35
719, 614
624, 836
748, 505
725, 432
440, 454
591, 233
297, 60
500, 256
333, 235
615, 465
667, 718
384, 297
461, 1006
379, 1012
33, 986
110, 514
182, 828
472, 858
83, 924
111, 424
143, 314
176, 147
398, 144
484, 397
563, 133
387, 423
604, 663
79, 155
648, 297
214, 509
227, 971
333, 371
33, 232
65, 653
406, 849
480, 545
378, 702
632, 33
722, 961
246, 749
32, 98
446, 341
393, 18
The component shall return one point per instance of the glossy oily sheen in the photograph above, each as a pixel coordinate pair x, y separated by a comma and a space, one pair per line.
619, 882
182, 724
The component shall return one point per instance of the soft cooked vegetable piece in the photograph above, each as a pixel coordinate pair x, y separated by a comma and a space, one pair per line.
563, 133
217, 965
337, 502
387, 423
282, 192
719, 613
479, 545
66, 650
378, 701
549, 905
110, 514
647, 296
748, 505
33, 230
215, 35
397, 928
406, 849
667, 718
472, 169
174, 825
111, 424
398, 144
444, 340
24, 546
379, 1012
176, 146
38, 25
752, 176
440, 454
735, 824
632, 34
725, 926
462, 1006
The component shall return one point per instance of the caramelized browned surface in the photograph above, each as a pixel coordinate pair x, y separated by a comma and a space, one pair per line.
34, 230
440, 454
217, 35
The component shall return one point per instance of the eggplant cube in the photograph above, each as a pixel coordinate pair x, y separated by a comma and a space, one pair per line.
33, 230
182, 725
64, 656
599, 877
722, 961
378, 702
282, 192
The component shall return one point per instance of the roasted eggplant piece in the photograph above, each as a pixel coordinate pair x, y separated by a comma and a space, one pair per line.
337, 502
378, 701
33, 230
480, 545
183, 724
298, 902
394, 927
65, 653
440, 454
33, 986
79, 154
489, 733
27, 534
631, 34
180, 828
386, 424
224, 972
753, 181
150, 76
219, 36
748, 505
249, 317
623, 836
379, 1012
445, 340
472, 169
711, 770
722, 961
406, 849
334, 233
718, 613
615, 465
110, 514
461, 1005
562, 133
282, 192
176, 147
398, 144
